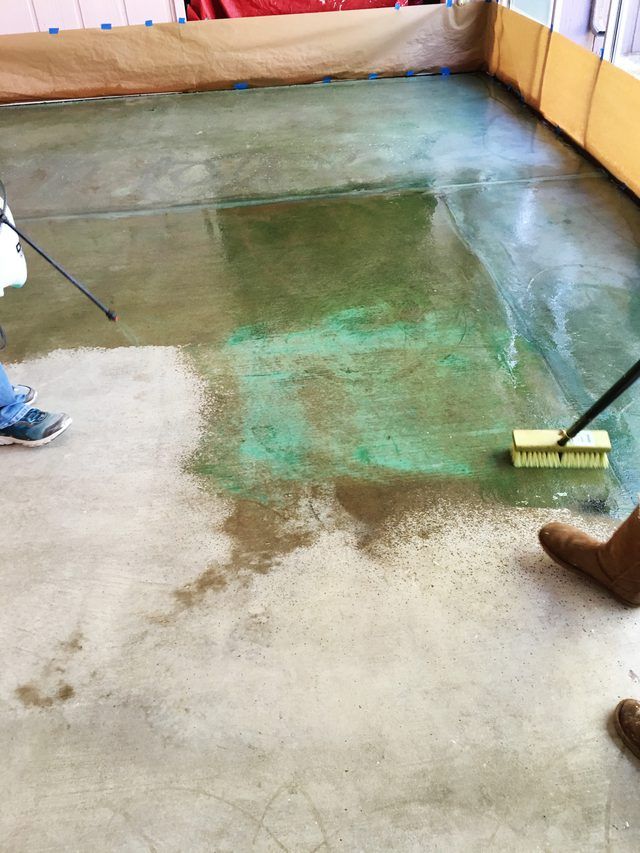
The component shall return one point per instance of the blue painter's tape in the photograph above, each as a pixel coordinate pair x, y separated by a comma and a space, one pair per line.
601, 53
327, 79
148, 23
240, 85
373, 76
411, 73
105, 26
449, 3
53, 31
182, 20
445, 71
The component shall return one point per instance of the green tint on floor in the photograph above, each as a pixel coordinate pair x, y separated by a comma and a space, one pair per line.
394, 338
403, 365
567, 268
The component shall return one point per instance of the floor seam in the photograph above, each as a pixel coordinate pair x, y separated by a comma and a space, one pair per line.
227, 204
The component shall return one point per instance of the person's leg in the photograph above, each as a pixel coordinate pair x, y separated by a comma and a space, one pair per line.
614, 564
20, 422
12, 406
7, 395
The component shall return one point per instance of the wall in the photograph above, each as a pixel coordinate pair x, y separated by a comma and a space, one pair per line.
539, 10
24, 16
575, 21
631, 38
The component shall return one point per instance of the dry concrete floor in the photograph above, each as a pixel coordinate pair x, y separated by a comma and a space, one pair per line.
277, 588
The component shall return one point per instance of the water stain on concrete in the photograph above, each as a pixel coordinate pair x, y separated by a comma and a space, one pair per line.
374, 514
32, 697
65, 692
373, 503
212, 579
260, 535
74, 643
378, 509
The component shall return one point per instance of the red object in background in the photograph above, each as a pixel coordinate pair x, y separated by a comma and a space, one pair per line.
201, 10
251, 8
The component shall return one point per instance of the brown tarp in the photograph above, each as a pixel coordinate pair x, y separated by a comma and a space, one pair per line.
613, 131
516, 51
570, 77
258, 51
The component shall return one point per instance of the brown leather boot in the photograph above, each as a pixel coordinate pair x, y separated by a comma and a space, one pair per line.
627, 720
614, 564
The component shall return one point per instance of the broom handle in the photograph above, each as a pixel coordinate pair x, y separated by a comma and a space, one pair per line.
604, 402
109, 313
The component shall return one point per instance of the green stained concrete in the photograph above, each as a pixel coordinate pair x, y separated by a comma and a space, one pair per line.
404, 364
569, 273
398, 336
160, 151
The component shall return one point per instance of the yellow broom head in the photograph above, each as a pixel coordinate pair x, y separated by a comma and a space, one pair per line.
538, 448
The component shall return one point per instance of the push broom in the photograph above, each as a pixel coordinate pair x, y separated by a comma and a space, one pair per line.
574, 447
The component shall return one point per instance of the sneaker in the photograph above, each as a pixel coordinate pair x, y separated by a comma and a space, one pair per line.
27, 393
35, 429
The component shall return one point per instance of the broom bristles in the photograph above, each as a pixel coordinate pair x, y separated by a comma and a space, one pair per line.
535, 459
540, 449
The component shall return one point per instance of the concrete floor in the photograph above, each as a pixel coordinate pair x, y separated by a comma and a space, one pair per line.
278, 588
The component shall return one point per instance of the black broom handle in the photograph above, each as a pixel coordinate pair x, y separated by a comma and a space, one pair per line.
604, 402
110, 314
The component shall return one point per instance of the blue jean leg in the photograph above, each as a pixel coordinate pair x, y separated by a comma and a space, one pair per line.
12, 408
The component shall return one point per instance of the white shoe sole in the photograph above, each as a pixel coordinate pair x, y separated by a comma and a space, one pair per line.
5, 440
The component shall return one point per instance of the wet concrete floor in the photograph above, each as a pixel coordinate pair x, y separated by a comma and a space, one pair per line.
286, 498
